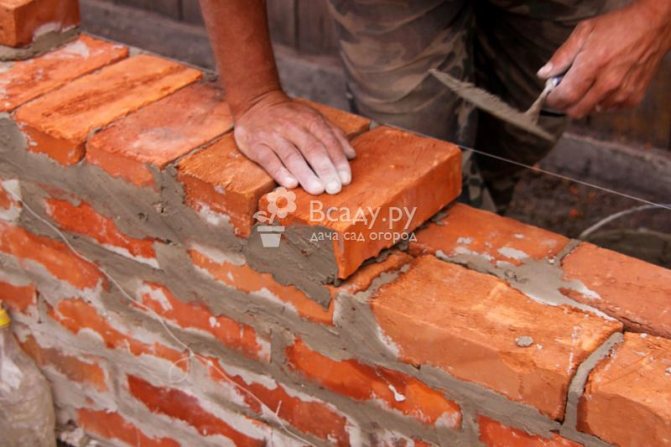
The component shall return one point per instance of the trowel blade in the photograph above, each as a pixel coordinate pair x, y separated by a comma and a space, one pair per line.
491, 104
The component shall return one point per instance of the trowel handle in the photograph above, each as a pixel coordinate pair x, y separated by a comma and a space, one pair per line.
553, 82
538, 106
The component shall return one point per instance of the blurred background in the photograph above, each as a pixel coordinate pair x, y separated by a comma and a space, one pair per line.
625, 157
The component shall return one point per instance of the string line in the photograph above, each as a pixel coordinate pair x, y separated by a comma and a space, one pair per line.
565, 177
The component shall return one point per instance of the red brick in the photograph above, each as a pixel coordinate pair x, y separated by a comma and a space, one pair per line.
83, 219
27, 80
358, 381
627, 400
58, 123
631, 290
495, 434
79, 369
419, 443
76, 315
180, 405
21, 21
309, 416
363, 278
160, 133
219, 179
481, 319
351, 124
468, 231
196, 315
53, 255
393, 170
235, 273
111, 425
18, 297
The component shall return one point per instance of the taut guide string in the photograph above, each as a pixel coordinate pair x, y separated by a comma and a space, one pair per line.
565, 177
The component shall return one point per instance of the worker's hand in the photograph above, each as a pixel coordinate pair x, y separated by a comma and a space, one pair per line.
294, 144
612, 58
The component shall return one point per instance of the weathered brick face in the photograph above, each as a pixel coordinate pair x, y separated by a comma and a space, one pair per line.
132, 261
22, 22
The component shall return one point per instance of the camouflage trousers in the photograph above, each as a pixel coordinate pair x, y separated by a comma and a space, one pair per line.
388, 46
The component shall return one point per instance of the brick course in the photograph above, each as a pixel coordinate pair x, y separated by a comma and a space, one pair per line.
57, 124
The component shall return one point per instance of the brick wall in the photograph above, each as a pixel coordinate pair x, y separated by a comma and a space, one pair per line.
133, 265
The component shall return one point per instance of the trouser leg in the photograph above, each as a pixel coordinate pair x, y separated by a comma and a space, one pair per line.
513, 39
387, 48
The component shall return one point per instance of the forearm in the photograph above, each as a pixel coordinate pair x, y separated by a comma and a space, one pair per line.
240, 41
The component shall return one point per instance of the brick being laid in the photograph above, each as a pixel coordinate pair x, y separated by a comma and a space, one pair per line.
221, 184
412, 179
350, 124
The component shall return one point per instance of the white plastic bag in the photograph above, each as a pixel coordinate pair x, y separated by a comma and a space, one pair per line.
26, 408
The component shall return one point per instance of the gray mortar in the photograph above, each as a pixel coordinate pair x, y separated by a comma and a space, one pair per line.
297, 261
577, 388
541, 280
40, 45
524, 341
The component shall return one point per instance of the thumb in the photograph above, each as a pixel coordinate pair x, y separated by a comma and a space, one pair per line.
563, 58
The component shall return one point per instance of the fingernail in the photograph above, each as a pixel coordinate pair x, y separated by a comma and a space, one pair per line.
345, 177
351, 155
333, 187
290, 182
314, 187
545, 70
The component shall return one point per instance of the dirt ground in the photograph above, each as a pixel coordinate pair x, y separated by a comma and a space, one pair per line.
569, 208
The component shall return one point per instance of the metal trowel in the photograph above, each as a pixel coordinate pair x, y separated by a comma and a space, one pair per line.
484, 100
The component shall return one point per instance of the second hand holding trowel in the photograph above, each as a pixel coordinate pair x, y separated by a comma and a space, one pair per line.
491, 104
